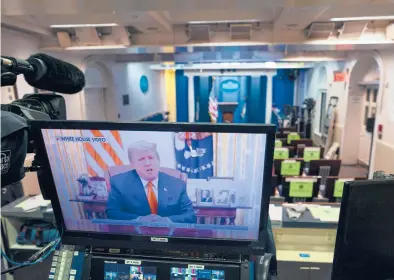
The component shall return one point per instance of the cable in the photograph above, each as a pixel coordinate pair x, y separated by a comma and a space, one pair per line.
32, 260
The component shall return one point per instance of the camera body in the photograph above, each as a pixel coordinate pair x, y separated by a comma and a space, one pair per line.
43, 106
309, 103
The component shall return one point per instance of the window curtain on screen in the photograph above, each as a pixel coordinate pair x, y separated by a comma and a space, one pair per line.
239, 156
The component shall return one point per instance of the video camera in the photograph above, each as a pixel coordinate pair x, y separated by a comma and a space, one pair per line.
42, 72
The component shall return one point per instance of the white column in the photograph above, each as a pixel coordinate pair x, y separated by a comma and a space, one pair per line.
296, 93
268, 106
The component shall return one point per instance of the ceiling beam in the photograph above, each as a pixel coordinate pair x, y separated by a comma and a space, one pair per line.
161, 19
26, 27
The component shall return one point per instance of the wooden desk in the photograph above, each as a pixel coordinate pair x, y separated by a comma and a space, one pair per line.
219, 215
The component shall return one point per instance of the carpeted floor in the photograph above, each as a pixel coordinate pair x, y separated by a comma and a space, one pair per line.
351, 171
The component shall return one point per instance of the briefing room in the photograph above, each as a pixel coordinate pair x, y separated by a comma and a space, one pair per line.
225, 140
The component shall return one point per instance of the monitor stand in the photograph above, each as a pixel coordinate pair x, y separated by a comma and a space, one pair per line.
299, 147
324, 172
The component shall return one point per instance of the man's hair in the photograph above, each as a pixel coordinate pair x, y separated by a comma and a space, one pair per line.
142, 146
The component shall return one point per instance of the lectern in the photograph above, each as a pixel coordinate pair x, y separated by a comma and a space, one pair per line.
227, 109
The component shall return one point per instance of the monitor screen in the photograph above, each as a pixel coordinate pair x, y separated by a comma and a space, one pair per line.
178, 273
159, 183
118, 271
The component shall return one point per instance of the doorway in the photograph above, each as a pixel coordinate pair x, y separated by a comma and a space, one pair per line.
95, 104
362, 108
99, 93
369, 99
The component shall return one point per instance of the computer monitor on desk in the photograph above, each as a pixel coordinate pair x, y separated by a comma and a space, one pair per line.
305, 142
299, 151
278, 166
334, 187
300, 189
364, 246
132, 182
315, 167
283, 132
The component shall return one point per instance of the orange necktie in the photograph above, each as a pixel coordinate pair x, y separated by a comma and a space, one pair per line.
152, 200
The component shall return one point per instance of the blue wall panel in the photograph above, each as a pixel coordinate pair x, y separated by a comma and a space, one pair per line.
257, 100
282, 89
197, 104
202, 88
182, 91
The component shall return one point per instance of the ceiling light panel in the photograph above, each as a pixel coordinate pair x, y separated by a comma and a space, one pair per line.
83, 25
368, 18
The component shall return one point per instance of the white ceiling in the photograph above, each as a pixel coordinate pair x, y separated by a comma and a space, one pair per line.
163, 22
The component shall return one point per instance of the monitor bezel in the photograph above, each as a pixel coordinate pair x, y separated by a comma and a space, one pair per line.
341, 251
143, 241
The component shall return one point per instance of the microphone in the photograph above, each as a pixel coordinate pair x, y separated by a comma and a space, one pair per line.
44, 72
54, 75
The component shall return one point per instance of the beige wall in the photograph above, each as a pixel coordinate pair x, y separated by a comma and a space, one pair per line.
384, 157
383, 151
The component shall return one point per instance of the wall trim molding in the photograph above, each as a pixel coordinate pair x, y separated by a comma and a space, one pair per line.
384, 143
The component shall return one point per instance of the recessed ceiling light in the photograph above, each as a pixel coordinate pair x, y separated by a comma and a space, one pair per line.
102, 47
224, 21
83, 25
270, 64
368, 18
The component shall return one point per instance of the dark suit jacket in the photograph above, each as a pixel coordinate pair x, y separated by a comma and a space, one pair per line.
127, 199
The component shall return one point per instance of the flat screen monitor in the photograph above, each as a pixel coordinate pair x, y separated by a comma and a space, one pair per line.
306, 142
334, 164
160, 180
365, 245
333, 183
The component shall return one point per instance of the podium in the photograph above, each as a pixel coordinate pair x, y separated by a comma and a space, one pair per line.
227, 109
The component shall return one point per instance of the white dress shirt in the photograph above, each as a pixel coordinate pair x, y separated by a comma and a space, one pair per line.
154, 187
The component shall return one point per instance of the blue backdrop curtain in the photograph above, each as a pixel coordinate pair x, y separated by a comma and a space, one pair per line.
283, 88
250, 93
202, 88
257, 99
182, 93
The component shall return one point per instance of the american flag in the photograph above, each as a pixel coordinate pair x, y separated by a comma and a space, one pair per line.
213, 105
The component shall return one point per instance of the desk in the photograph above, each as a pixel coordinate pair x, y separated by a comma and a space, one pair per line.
310, 237
218, 215
307, 235
206, 214
93, 209
12, 219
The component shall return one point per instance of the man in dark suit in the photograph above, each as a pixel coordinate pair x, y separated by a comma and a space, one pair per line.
146, 194
206, 196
